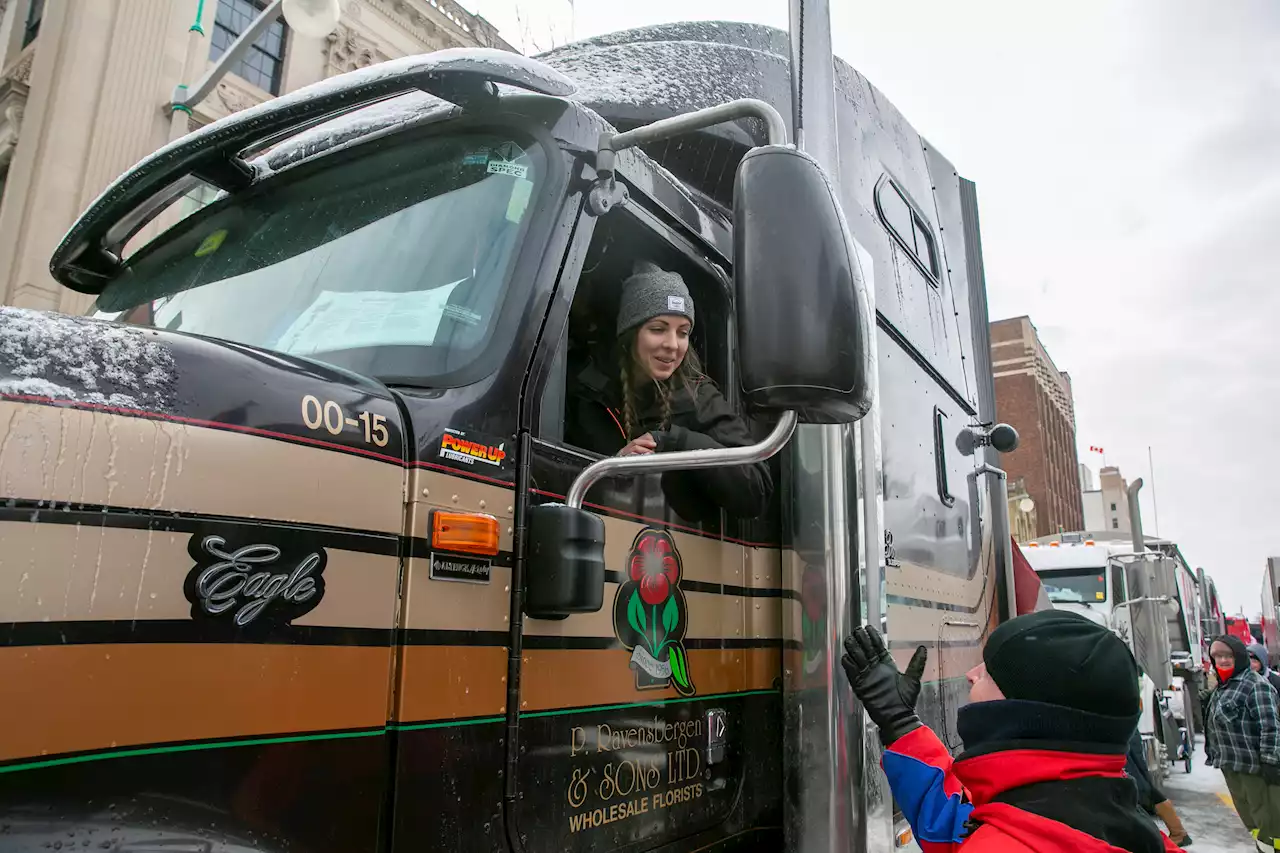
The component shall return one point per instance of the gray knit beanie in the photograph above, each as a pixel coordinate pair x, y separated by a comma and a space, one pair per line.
652, 292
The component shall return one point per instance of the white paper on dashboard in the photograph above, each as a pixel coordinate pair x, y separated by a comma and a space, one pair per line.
340, 320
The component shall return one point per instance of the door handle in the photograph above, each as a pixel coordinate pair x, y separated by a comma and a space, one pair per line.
940, 458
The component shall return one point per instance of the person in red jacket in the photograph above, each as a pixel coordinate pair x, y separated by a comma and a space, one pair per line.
1051, 709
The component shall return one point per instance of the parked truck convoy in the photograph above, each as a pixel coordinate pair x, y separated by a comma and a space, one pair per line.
1151, 598
297, 556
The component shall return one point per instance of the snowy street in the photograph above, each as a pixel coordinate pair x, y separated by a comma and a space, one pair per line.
1204, 805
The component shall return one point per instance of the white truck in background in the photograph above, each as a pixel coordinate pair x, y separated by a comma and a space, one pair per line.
1150, 598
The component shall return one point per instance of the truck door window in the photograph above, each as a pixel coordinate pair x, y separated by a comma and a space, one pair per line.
590, 343
395, 264
582, 408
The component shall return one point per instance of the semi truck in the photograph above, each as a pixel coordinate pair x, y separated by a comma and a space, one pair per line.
1270, 630
1211, 614
297, 556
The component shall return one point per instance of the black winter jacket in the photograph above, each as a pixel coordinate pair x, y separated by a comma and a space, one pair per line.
701, 420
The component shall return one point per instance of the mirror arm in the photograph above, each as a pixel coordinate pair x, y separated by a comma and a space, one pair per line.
608, 194
682, 460
666, 128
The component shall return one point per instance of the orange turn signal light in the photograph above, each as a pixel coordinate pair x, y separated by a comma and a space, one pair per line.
1054, 544
903, 838
464, 533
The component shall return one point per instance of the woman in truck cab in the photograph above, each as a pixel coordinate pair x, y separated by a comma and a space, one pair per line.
649, 395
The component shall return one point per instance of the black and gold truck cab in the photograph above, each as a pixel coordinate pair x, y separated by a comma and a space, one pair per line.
295, 554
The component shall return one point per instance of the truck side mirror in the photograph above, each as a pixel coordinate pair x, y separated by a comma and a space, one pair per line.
565, 573
803, 324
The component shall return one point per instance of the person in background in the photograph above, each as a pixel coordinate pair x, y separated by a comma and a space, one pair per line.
1258, 663
1242, 739
1051, 709
651, 396
1150, 798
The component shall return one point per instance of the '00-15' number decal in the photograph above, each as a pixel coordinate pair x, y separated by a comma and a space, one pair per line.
329, 415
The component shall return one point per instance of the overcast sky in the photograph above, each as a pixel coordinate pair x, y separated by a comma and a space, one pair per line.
1127, 156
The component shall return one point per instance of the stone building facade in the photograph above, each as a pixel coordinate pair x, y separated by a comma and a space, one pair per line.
85, 87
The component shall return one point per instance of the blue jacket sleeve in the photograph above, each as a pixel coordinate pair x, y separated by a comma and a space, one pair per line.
933, 801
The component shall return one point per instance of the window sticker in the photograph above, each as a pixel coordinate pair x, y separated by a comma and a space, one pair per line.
211, 243
506, 167
519, 202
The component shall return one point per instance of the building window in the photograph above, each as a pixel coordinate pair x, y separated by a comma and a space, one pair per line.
908, 226
35, 11
1113, 507
263, 63
1115, 524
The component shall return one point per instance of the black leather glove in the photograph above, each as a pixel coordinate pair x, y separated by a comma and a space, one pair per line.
888, 695
1271, 773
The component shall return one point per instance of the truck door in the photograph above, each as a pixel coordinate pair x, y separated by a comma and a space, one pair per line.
623, 744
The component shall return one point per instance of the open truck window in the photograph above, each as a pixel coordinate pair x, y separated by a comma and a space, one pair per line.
618, 243
395, 265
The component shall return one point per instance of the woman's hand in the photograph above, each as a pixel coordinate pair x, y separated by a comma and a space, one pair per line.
639, 446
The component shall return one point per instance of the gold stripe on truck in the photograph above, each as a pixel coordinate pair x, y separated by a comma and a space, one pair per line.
64, 572
564, 678
61, 699
447, 605
64, 455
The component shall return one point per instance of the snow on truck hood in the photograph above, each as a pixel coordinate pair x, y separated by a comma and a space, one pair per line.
82, 360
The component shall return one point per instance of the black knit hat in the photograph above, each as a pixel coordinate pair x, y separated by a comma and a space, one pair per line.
1062, 658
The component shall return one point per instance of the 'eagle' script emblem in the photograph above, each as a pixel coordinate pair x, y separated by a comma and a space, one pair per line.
244, 583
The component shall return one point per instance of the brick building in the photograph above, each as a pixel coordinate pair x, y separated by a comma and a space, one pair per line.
1035, 397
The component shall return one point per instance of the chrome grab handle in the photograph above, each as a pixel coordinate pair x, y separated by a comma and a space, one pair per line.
682, 460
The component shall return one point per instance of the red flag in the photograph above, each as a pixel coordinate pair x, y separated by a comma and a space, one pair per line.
1027, 588
1093, 449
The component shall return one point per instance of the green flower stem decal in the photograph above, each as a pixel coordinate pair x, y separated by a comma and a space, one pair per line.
635, 614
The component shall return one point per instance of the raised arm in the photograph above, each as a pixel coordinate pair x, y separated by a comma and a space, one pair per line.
916, 763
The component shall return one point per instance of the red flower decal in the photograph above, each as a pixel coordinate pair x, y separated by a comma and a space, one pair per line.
655, 566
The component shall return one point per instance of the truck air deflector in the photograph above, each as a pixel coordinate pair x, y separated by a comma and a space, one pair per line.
91, 252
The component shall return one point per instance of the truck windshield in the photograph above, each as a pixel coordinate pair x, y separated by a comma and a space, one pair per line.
1075, 586
392, 264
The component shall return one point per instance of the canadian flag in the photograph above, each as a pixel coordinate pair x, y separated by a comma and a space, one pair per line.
1095, 449
1026, 585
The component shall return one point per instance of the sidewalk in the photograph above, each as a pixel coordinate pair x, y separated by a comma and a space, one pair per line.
1204, 805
